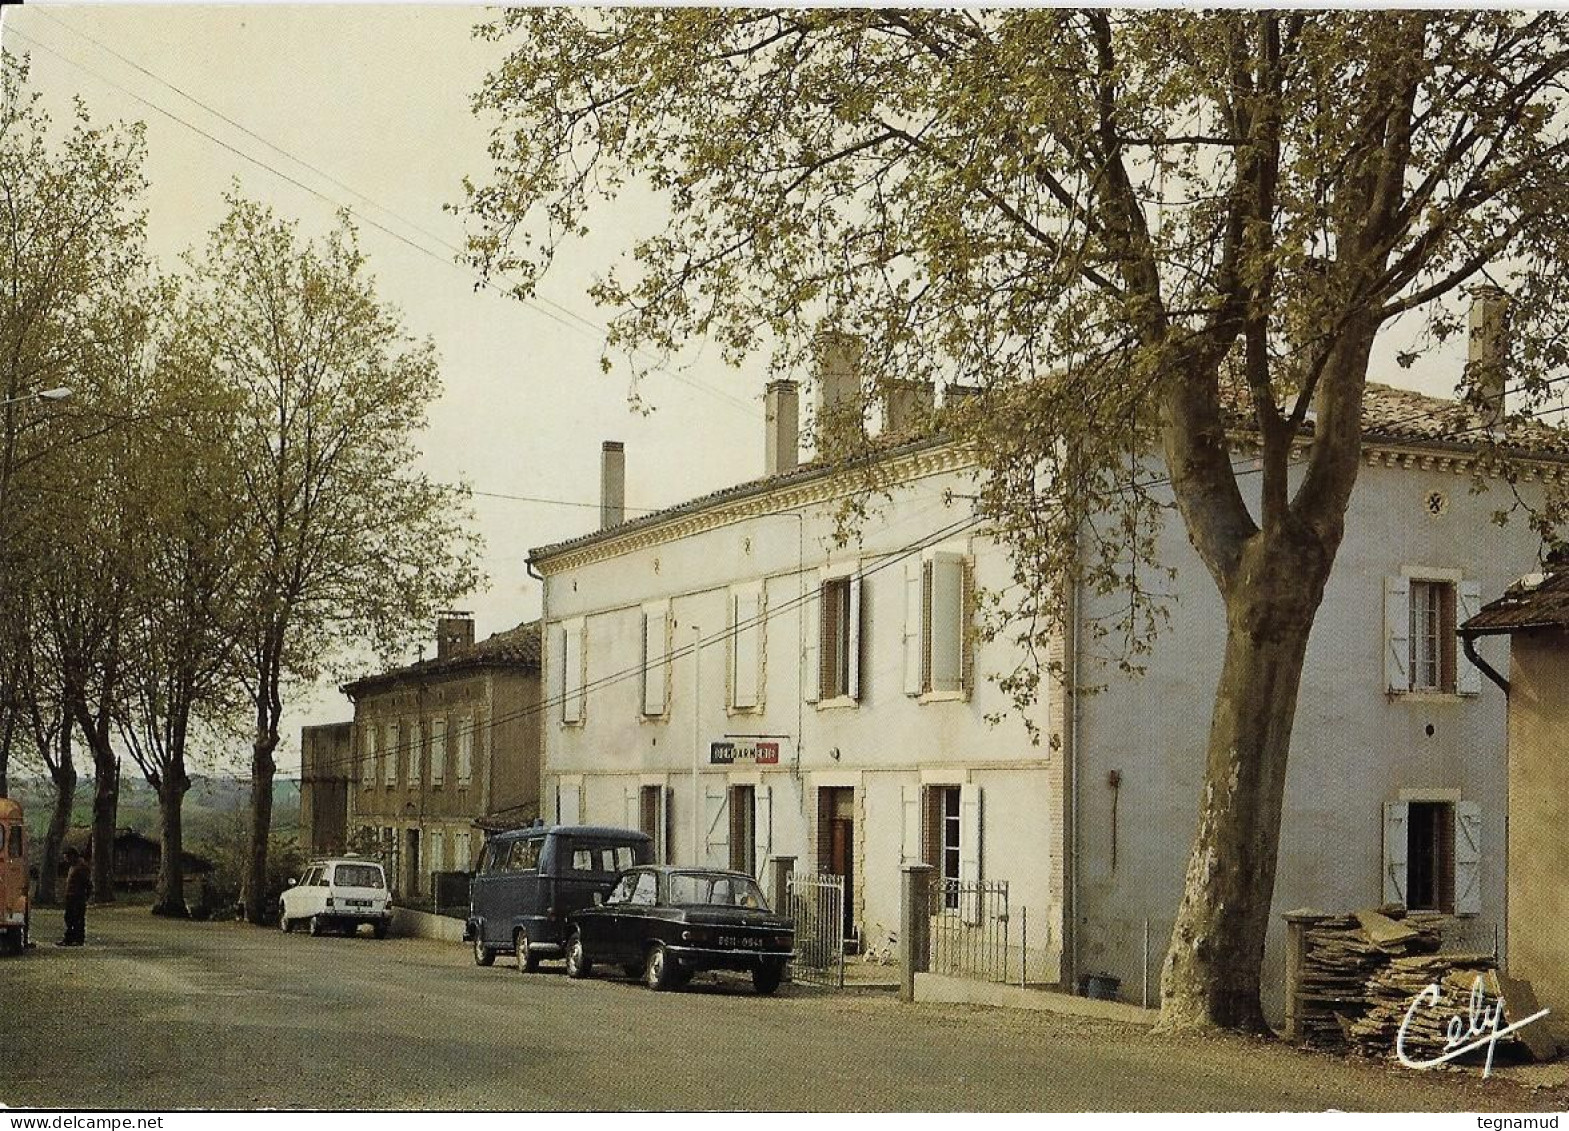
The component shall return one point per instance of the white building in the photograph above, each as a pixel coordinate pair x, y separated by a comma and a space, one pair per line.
837, 710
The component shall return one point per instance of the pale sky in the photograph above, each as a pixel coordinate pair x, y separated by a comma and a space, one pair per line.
368, 106
376, 99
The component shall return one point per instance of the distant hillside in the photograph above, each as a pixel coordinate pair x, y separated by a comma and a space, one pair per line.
215, 807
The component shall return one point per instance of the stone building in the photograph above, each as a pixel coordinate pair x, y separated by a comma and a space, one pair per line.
442, 744
326, 772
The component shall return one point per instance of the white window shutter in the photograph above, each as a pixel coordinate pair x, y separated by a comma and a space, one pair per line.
1397, 832
762, 827
910, 826
438, 751
416, 741
569, 801
630, 816
744, 652
1397, 635
369, 775
853, 630
812, 627
1468, 858
1468, 677
466, 728
716, 818
970, 851
390, 770
947, 646
571, 673
655, 662
912, 627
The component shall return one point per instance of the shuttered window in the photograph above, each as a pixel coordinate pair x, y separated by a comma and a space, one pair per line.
1433, 856
571, 684
936, 633
466, 727
656, 662
839, 658
412, 767
746, 647
438, 751
368, 768
390, 765
1421, 653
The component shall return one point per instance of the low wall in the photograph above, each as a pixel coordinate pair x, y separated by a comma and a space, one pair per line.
968, 991
424, 925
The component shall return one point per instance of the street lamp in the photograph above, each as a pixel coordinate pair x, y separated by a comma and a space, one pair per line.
59, 394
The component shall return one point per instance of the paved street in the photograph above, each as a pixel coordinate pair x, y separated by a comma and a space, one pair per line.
152, 1014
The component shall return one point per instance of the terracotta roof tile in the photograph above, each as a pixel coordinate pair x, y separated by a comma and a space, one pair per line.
515, 648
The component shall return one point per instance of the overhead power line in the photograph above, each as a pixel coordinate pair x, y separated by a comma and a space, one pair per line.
567, 318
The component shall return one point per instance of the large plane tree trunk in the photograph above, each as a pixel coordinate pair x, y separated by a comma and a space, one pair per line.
63, 773
1213, 968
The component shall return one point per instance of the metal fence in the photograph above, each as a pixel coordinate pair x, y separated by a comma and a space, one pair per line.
816, 907
970, 928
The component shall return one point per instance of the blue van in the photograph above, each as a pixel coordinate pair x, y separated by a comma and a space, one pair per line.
531, 880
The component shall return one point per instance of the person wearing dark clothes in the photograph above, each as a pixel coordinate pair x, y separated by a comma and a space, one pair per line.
78, 886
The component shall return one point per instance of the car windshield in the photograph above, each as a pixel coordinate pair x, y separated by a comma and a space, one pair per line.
358, 876
715, 891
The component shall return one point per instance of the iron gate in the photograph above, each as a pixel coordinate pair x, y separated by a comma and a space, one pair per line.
817, 910
970, 929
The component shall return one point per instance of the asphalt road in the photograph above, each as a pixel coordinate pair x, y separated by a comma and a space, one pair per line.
155, 1015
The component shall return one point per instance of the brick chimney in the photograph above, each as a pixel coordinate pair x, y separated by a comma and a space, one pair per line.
612, 484
781, 444
839, 407
907, 405
454, 630
1487, 363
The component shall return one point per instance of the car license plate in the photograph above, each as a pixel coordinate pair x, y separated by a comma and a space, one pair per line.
358, 902
746, 942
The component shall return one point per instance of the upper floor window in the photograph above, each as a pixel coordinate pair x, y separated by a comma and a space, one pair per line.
571, 635
656, 661
466, 728
936, 624
368, 767
390, 766
416, 750
438, 751
839, 638
1421, 610
746, 649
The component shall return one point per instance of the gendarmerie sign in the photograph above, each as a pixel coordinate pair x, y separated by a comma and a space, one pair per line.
759, 751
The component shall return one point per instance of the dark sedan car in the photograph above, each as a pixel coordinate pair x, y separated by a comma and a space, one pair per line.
666, 923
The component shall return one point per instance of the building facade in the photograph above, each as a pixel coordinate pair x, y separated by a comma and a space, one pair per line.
441, 745
726, 676
1533, 614
326, 773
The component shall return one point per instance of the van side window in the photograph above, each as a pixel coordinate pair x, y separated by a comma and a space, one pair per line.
525, 855
495, 857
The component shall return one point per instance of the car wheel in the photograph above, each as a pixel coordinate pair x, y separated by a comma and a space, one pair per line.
659, 970
379, 928
578, 965
316, 925
528, 961
766, 978
483, 955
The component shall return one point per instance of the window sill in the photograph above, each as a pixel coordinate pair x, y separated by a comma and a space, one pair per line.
943, 697
837, 703
1426, 696
755, 709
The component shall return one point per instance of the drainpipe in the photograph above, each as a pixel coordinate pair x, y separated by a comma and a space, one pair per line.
1468, 645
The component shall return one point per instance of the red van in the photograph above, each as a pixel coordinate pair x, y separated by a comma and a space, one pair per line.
14, 910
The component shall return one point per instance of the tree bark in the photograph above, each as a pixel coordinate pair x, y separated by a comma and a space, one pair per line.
64, 776
169, 895
262, 768
106, 805
1211, 978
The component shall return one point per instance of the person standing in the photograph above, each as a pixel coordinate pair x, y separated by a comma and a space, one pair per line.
78, 886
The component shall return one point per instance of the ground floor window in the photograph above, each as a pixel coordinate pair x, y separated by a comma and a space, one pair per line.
1430, 857
940, 837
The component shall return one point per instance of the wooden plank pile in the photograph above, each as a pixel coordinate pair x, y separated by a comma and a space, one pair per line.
1427, 1032
1343, 953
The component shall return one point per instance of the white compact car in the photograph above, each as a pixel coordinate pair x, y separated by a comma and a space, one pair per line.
340, 892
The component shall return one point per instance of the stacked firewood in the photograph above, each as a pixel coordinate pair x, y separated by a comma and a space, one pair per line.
1343, 953
1391, 992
